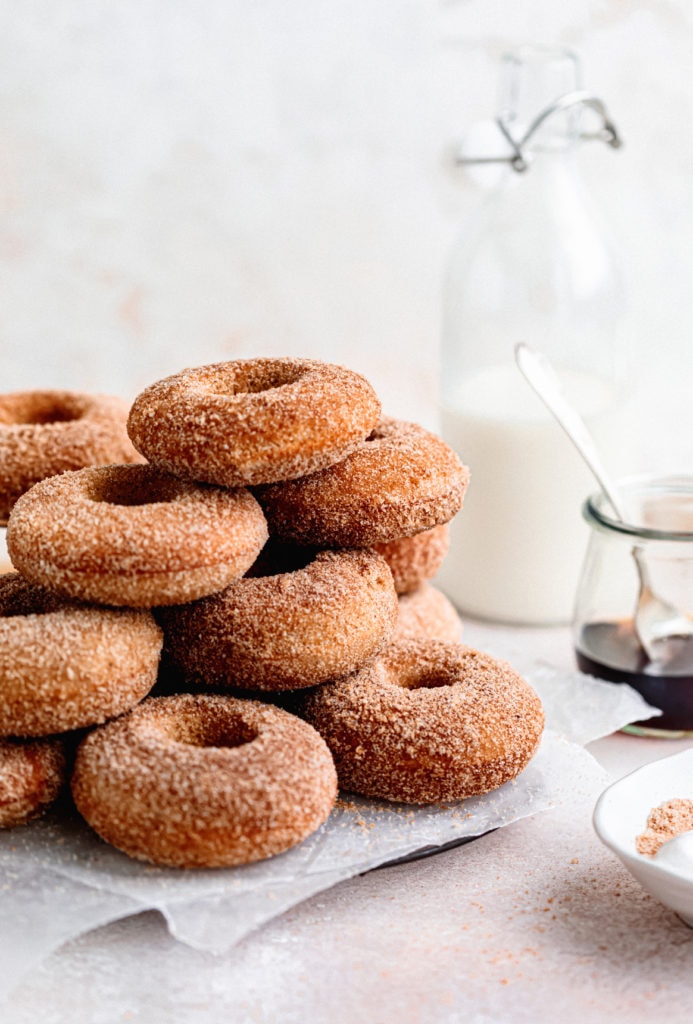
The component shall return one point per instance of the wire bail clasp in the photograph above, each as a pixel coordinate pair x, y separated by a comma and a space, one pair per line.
517, 158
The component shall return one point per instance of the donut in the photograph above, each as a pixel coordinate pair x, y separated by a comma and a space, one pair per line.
399, 481
426, 613
428, 722
204, 781
47, 432
324, 619
414, 560
253, 421
32, 773
133, 535
64, 666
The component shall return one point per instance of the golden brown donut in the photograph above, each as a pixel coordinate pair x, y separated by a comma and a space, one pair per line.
426, 613
48, 432
399, 481
253, 421
204, 781
428, 722
133, 535
64, 666
325, 619
414, 560
32, 773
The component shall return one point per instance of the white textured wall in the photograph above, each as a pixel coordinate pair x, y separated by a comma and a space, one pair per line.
186, 181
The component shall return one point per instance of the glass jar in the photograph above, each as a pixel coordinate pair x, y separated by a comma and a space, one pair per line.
535, 264
606, 644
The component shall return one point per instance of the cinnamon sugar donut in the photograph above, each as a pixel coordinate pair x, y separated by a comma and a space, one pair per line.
204, 781
426, 613
399, 481
32, 773
414, 560
47, 432
289, 629
428, 722
64, 666
133, 535
253, 421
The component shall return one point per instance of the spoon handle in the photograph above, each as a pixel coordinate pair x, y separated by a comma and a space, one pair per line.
541, 376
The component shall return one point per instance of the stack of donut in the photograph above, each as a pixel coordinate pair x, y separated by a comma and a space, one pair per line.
276, 545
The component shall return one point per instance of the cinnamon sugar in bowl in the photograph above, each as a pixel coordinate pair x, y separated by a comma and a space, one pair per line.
624, 814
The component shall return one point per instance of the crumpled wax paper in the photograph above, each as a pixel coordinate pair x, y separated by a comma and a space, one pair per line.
59, 880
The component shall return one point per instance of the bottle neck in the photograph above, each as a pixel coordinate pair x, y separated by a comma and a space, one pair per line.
533, 79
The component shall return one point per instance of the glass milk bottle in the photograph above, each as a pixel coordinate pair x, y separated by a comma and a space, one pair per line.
534, 267
5, 564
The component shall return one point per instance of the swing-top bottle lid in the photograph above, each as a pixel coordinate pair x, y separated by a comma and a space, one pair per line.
541, 107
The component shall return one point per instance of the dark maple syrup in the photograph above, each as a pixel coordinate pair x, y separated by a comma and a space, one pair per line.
611, 651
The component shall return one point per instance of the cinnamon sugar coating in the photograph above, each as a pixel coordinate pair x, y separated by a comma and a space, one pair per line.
428, 722
65, 666
253, 421
426, 613
134, 536
32, 773
414, 560
47, 432
290, 630
670, 819
204, 781
399, 481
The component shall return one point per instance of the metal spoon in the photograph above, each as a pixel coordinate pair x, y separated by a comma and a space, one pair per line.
656, 622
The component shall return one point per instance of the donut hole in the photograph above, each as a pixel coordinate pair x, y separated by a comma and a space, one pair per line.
39, 411
426, 677
253, 380
383, 431
203, 731
136, 485
278, 558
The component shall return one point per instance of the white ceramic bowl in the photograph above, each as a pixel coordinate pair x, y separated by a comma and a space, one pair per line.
621, 814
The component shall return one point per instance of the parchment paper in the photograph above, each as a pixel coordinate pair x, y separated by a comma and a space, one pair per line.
58, 879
